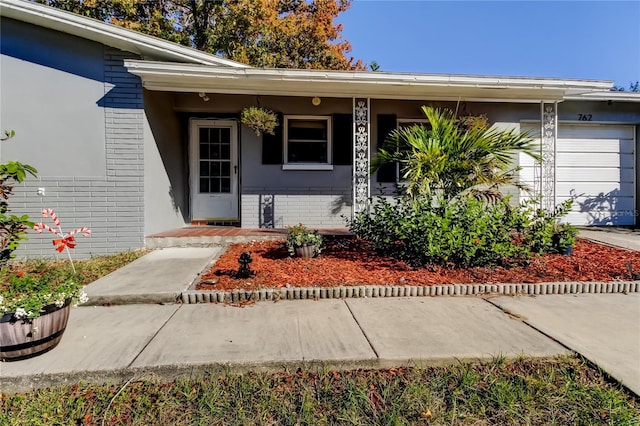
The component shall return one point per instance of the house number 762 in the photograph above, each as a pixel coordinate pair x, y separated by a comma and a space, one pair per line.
584, 117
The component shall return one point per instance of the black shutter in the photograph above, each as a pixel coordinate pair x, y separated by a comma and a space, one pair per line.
342, 139
386, 124
272, 144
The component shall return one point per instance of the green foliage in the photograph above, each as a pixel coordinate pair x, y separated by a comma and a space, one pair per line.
301, 236
454, 156
546, 235
34, 284
463, 232
260, 120
266, 33
13, 229
26, 295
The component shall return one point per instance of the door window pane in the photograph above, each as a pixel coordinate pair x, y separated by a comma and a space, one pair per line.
204, 169
204, 185
215, 160
225, 185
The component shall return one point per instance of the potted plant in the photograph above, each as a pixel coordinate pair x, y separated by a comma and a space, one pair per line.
303, 242
260, 120
34, 307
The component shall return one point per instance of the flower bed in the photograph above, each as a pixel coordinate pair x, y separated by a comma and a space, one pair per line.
348, 261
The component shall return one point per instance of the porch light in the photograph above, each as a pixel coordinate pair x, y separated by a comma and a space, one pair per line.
315, 101
203, 96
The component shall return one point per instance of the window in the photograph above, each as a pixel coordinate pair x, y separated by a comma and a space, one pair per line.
307, 143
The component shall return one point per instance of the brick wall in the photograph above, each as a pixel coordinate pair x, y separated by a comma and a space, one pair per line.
281, 210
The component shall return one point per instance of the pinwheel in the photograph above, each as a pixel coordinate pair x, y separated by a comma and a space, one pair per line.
66, 241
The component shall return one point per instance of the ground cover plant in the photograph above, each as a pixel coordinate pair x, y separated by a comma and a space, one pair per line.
60, 271
560, 391
350, 261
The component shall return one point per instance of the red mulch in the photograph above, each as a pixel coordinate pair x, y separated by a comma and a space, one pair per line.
348, 261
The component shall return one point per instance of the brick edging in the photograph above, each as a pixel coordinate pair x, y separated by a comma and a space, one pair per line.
315, 293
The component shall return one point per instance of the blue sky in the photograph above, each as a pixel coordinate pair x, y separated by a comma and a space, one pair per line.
563, 39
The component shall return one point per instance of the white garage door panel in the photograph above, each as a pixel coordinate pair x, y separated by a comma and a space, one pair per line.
586, 174
594, 131
613, 160
601, 202
597, 162
624, 146
563, 189
616, 218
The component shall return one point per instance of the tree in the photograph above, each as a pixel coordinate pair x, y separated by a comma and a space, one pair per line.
263, 33
454, 156
633, 87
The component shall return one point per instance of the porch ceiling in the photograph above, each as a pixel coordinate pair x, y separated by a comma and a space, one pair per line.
176, 77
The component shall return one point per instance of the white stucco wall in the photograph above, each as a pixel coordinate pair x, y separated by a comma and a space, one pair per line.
165, 184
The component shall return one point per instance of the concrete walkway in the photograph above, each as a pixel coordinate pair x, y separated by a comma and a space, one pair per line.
617, 237
167, 340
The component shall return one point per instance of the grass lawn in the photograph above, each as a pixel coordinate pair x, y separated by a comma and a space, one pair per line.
87, 270
560, 391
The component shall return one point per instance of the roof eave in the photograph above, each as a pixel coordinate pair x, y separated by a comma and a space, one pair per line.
607, 95
288, 82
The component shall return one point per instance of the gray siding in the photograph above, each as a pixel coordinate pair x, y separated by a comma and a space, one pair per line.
87, 142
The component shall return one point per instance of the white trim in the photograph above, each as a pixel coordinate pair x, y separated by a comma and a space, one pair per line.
307, 166
608, 95
108, 34
286, 165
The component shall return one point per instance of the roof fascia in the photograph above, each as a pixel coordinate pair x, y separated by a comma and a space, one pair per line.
293, 82
111, 35
607, 96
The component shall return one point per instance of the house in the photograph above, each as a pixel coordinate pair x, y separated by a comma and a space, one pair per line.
133, 135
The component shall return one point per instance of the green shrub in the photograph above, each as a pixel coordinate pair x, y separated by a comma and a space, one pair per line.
546, 235
13, 229
462, 232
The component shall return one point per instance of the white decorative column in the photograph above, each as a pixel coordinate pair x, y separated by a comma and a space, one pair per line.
548, 137
361, 149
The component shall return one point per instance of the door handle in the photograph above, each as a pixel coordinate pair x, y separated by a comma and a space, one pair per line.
235, 170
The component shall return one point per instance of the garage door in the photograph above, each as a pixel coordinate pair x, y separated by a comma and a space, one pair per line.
596, 162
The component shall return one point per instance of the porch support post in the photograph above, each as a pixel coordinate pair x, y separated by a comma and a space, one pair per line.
361, 152
548, 137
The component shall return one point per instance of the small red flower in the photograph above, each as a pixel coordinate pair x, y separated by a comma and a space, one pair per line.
476, 242
20, 274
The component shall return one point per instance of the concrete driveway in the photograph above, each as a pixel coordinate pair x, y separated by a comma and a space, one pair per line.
604, 328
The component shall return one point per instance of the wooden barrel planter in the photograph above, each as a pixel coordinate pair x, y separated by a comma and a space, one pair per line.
306, 251
18, 340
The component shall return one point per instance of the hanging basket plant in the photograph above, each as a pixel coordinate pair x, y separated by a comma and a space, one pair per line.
260, 120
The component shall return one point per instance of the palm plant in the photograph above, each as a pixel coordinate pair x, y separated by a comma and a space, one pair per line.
451, 159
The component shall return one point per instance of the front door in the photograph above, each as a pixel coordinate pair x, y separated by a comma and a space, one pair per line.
214, 170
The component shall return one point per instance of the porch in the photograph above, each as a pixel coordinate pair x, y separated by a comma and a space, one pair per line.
200, 236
